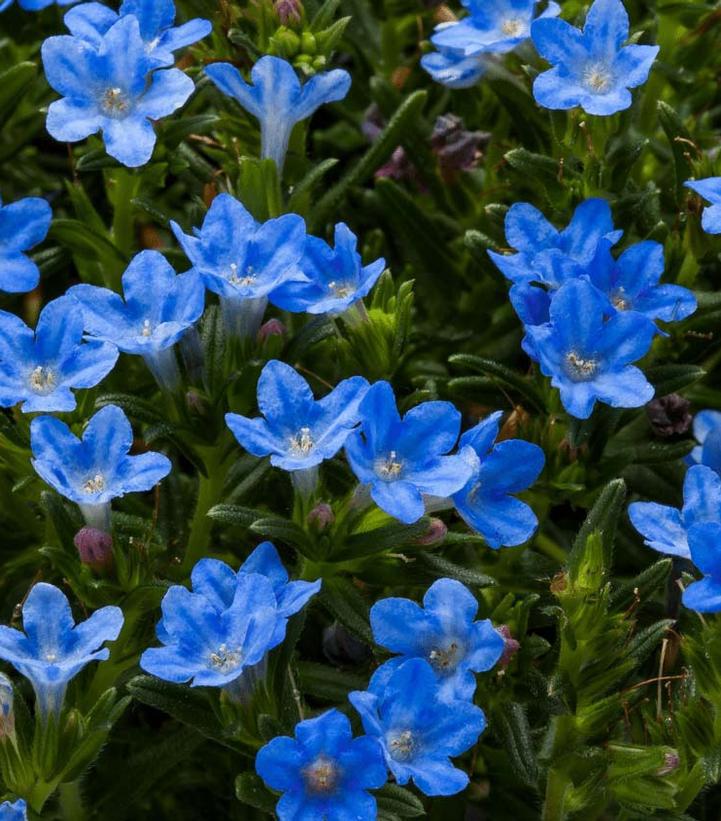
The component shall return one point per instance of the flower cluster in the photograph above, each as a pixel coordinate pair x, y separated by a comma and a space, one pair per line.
417, 713
587, 314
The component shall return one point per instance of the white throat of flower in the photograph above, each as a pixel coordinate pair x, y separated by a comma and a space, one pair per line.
321, 776
95, 484
247, 278
42, 380
597, 78
302, 443
401, 744
579, 367
620, 300
389, 468
341, 289
513, 27
445, 659
224, 659
114, 102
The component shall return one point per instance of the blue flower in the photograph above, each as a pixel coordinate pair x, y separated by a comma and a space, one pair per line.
493, 27
277, 99
591, 69
547, 254
111, 87
23, 224
217, 582
323, 772
401, 459
709, 189
298, 431
97, 468
443, 632
34, 5
243, 261
209, 646
486, 503
53, 649
666, 528
588, 355
39, 368
451, 69
158, 308
707, 432
157, 26
418, 730
16, 811
631, 282
704, 541
337, 277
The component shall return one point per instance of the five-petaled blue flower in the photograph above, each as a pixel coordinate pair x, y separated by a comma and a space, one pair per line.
486, 503
298, 431
17, 810
40, 368
666, 528
492, 27
209, 646
704, 541
277, 99
97, 468
157, 26
159, 307
418, 730
111, 87
451, 68
443, 632
23, 224
707, 432
243, 261
323, 773
709, 189
53, 649
402, 459
591, 68
337, 277
34, 5
589, 355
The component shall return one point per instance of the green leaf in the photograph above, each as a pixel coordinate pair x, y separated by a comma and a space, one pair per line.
250, 790
388, 537
511, 724
327, 683
672, 378
299, 199
680, 141
283, 530
518, 383
602, 519
649, 581
442, 567
345, 603
400, 802
87, 243
14, 83
236, 515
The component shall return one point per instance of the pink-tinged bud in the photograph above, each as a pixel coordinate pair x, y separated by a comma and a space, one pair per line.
435, 534
321, 517
288, 11
671, 762
511, 646
273, 327
95, 548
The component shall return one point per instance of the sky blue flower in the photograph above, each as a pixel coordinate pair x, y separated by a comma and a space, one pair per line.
217, 582
707, 432
34, 5
17, 810
243, 261
53, 649
40, 368
323, 773
296, 430
337, 277
209, 646
158, 308
632, 282
23, 224
548, 255
451, 69
492, 27
418, 730
97, 468
709, 189
591, 68
589, 355
110, 87
157, 26
486, 503
443, 632
666, 528
401, 459
704, 540
277, 99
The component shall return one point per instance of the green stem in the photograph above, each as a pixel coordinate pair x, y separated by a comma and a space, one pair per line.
556, 787
126, 187
71, 802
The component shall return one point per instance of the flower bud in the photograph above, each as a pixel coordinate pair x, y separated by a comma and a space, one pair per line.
341, 647
284, 43
435, 534
288, 11
671, 762
273, 327
511, 646
457, 149
669, 415
95, 548
7, 714
307, 43
321, 517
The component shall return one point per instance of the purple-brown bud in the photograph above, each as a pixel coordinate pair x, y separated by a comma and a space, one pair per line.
288, 11
669, 415
456, 148
435, 534
273, 327
95, 548
321, 517
511, 646
671, 762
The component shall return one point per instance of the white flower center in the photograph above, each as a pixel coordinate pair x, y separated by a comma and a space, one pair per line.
95, 484
389, 468
114, 102
225, 660
42, 380
401, 744
445, 659
597, 78
321, 776
340, 289
512, 27
51, 657
620, 301
147, 329
579, 368
302, 443
246, 279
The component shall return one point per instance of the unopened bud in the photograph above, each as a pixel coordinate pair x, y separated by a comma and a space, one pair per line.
671, 762
669, 415
273, 327
95, 548
435, 534
321, 517
308, 44
341, 647
284, 43
288, 11
7, 714
511, 646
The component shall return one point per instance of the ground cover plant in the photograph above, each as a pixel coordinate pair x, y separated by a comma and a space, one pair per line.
360, 418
